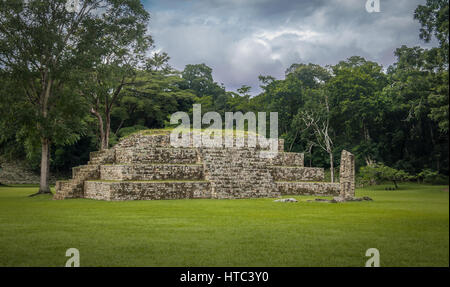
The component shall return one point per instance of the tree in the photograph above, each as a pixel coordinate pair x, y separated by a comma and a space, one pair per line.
434, 21
239, 100
285, 97
159, 62
380, 172
244, 90
199, 80
357, 104
153, 97
41, 43
121, 49
314, 119
439, 101
311, 78
412, 138
140, 104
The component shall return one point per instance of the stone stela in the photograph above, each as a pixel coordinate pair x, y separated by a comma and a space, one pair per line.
347, 175
146, 167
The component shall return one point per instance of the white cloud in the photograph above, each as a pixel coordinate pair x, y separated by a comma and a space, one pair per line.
242, 39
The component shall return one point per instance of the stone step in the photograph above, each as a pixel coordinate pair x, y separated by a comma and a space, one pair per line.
295, 173
74, 187
308, 188
163, 140
287, 159
69, 190
146, 190
85, 170
97, 154
102, 157
157, 155
152, 172
143, 141
237, 173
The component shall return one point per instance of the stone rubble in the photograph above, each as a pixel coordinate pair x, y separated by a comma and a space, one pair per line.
286, 200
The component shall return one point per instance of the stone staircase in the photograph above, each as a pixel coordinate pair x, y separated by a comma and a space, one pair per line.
237, 173
149, 170
293, 178
74, 188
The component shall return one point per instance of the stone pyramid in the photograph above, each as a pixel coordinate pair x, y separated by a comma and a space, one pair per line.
144, 166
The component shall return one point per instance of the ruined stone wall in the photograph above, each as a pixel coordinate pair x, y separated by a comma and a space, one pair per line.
19, 173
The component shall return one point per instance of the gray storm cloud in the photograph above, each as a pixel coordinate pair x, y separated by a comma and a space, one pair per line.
243, 39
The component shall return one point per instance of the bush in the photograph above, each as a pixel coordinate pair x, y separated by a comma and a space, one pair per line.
440, 179
432, 177
123, 132
378, 173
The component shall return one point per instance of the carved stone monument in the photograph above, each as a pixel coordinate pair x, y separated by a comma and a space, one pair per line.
347, 175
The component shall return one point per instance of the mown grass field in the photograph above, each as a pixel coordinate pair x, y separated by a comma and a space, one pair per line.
410, 227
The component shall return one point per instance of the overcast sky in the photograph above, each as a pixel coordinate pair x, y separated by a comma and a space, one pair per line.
241, 39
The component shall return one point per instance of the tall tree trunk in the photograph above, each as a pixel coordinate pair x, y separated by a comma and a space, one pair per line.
293, 141
310, 155
331, 166
395, 184
45, 142
45, 168
100, 128
107, 128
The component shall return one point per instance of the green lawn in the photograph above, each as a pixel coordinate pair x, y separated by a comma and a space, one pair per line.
410, 227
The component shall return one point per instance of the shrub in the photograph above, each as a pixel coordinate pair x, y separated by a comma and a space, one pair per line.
432, 177
124, 132
377, 173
